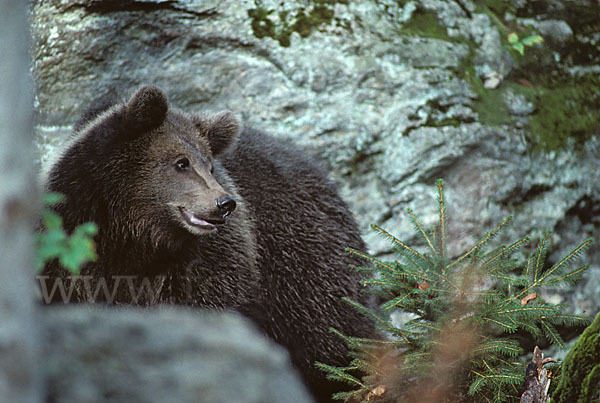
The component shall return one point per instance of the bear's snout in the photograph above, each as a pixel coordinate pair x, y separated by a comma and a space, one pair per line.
226, 205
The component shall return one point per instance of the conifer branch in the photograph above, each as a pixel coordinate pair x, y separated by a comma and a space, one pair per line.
393, 303
571, 276
541, 281
368, 257
385, 325
422, 232
479, 244
509, 346
504, 252
338, 374
442, 225
528, 269
539, 258
529, 327
475, 302
401, 244
551, 333
567, 319
378, 281
571, 255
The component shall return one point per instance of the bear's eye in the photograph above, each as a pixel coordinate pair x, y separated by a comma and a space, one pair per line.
182, 164
212, 169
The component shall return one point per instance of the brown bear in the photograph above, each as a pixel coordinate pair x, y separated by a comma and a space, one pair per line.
202, 213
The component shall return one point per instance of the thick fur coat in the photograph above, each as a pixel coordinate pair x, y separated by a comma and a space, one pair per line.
192, 211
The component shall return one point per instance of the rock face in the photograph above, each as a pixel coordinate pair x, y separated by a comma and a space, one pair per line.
391, 97
166, 355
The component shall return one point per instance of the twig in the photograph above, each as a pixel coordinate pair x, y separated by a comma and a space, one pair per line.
537, 380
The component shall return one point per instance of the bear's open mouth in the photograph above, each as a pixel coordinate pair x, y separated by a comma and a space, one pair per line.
195, 221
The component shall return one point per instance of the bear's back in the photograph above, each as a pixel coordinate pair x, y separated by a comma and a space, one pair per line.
303, 228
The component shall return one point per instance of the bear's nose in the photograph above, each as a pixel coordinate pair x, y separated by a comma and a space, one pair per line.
226, 205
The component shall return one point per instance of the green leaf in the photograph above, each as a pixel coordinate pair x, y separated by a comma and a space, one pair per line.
513, 38
87, 229
53, 237
49, 245
519, 47
72, 259
54, 243
532, 40
52, 198
80, 250
51, 220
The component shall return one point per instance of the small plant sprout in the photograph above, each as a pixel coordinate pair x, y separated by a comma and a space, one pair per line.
72, 250
519, 44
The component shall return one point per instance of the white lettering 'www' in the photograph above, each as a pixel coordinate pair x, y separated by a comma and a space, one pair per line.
90, 289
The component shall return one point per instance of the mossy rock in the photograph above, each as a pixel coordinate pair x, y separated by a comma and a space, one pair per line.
580, 378
280, 24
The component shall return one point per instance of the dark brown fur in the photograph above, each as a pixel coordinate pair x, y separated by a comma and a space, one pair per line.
280, 256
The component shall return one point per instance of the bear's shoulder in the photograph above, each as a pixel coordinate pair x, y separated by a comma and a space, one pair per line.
256, 148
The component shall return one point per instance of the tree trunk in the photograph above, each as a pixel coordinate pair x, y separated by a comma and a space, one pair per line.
18, 334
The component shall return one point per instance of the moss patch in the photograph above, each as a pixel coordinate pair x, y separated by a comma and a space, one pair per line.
280, 24
426, 25
490, 104
580, 375
566, 110
498, 7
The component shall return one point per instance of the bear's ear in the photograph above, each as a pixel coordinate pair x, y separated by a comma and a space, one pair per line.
145, 110
220, 129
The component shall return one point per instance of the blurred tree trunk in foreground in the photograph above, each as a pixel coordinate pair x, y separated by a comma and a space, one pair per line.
18, 334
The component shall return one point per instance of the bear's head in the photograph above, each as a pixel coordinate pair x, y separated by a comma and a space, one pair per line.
168, 160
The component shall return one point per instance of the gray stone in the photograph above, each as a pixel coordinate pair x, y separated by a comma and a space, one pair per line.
162, 355
450, 13
491, 56
387, 113
517, 103
556, 30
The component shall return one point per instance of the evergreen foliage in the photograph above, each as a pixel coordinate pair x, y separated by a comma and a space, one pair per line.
460, 343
